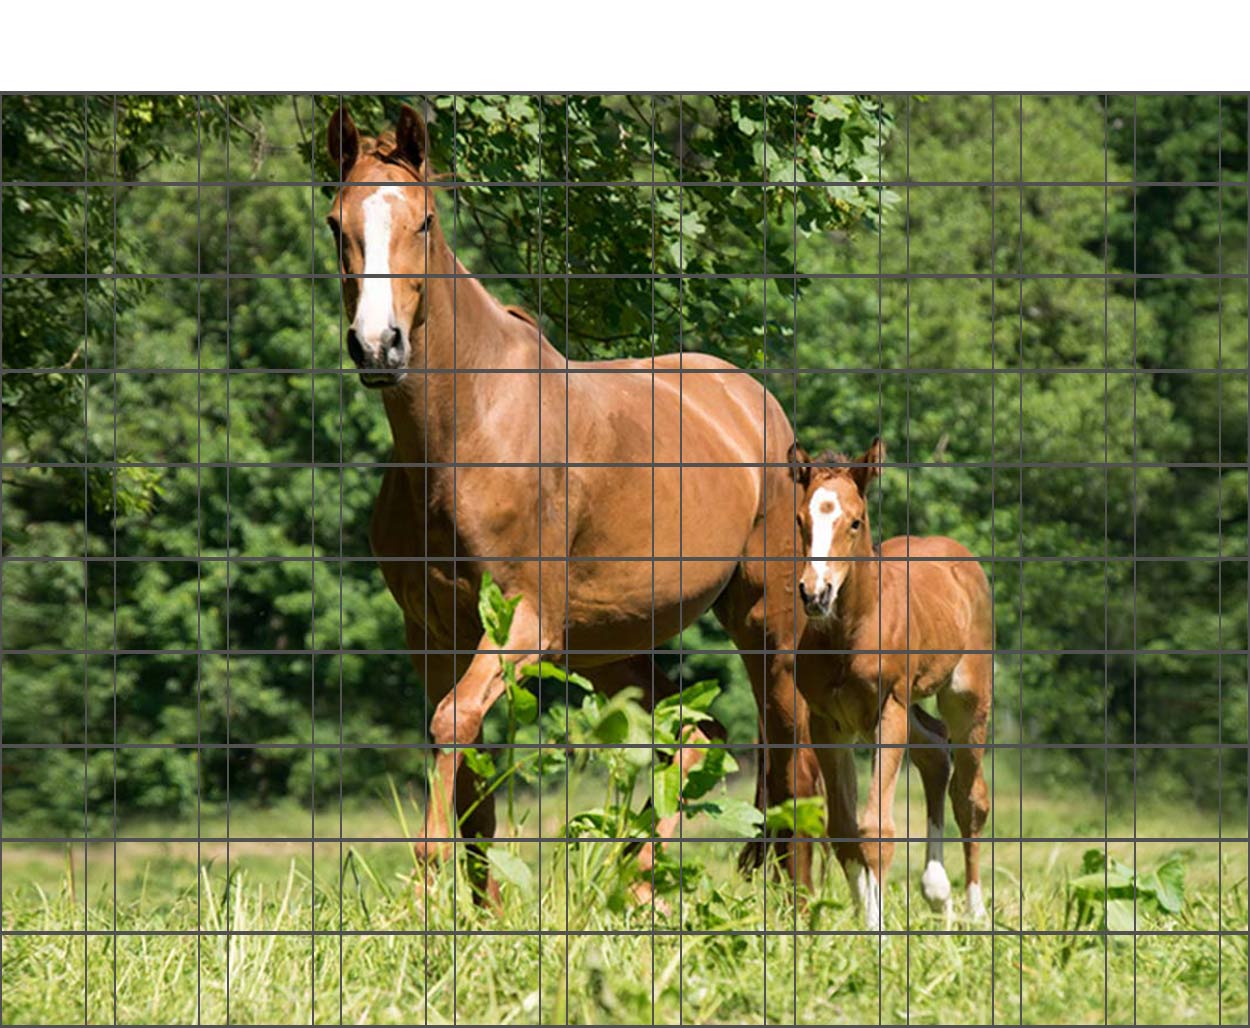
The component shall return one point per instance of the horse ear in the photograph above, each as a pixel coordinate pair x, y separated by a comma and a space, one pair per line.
410, 137
868, 466
800, 464
343, 141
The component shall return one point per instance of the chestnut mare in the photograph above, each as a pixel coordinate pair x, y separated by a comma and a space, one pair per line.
617, 500
907, 621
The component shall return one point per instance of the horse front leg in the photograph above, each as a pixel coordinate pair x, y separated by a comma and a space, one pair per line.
876, 826
457, 724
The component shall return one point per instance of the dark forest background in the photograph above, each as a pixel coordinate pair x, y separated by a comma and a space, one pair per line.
901, 234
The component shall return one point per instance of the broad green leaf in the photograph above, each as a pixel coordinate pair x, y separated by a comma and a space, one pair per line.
710, 771
495, 610
667, 790
512, 869
1119, 915
546, 669
729, 816
1171, 892
524, 704
481, 764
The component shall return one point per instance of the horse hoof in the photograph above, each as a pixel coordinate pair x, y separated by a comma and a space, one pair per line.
751, 857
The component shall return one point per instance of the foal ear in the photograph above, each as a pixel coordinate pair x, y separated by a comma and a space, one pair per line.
343, 141
868, 466
800, 464
410, 136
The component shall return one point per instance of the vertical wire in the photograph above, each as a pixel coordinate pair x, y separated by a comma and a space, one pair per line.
907, 658
229, 751
113, 477
455, 556
794, 330
654, 266
764, 283
904, 758
312, 565
993, 738
567, 536
86, 567
538, 364
1020, 527
199, 552
1106, 549
1219, 582
342, 566
880, 501
1135, 374
681, 647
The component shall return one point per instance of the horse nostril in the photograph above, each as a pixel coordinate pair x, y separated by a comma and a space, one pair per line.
802, 591
354, 349
826, 594
392, 346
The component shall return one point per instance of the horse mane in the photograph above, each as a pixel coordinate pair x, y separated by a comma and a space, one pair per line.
383, 147
522, 314
833, 459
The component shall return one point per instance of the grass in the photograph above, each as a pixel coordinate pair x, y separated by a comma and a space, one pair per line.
725, 951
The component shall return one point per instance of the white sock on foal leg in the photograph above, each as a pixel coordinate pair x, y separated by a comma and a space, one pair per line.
934, 884
868, 897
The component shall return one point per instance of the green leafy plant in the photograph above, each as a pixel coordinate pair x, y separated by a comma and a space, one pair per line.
1108, 893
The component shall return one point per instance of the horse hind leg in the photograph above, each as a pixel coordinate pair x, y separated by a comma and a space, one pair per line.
930, 754
965, 706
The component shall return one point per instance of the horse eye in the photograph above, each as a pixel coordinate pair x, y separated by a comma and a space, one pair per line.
855, 525
425, 225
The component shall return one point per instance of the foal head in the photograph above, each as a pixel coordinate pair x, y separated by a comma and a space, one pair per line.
833, 520
383, 220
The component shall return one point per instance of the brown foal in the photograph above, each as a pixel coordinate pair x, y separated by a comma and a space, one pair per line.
618, 500
904, 622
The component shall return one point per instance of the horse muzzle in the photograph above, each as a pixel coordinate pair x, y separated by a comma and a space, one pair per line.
382, 364
817, 603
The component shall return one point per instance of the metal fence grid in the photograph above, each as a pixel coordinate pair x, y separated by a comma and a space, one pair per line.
324, 850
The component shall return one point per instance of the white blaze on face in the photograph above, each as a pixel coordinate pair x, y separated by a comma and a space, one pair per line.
375, 312
825, 511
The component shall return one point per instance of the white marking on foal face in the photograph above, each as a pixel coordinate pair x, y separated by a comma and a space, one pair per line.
375, 314
825, 511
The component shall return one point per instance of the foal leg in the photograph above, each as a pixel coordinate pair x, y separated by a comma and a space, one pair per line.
967, 713
876, 826
457, 723
929, 754
837, 767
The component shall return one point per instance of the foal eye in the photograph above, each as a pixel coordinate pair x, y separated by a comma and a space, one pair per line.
425, 225
855, 525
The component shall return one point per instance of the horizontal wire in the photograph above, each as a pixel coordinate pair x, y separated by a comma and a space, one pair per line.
600, 933
623, 276
471, 651
637, 840
780, 184
600, 747
365, 558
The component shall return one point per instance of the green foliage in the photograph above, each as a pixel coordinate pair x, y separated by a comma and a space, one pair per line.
265, 564
1110, 896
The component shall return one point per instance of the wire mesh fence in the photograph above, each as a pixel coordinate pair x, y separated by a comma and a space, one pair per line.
624, 558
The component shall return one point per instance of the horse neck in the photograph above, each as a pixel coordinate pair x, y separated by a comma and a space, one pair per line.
465, 330
860, 595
